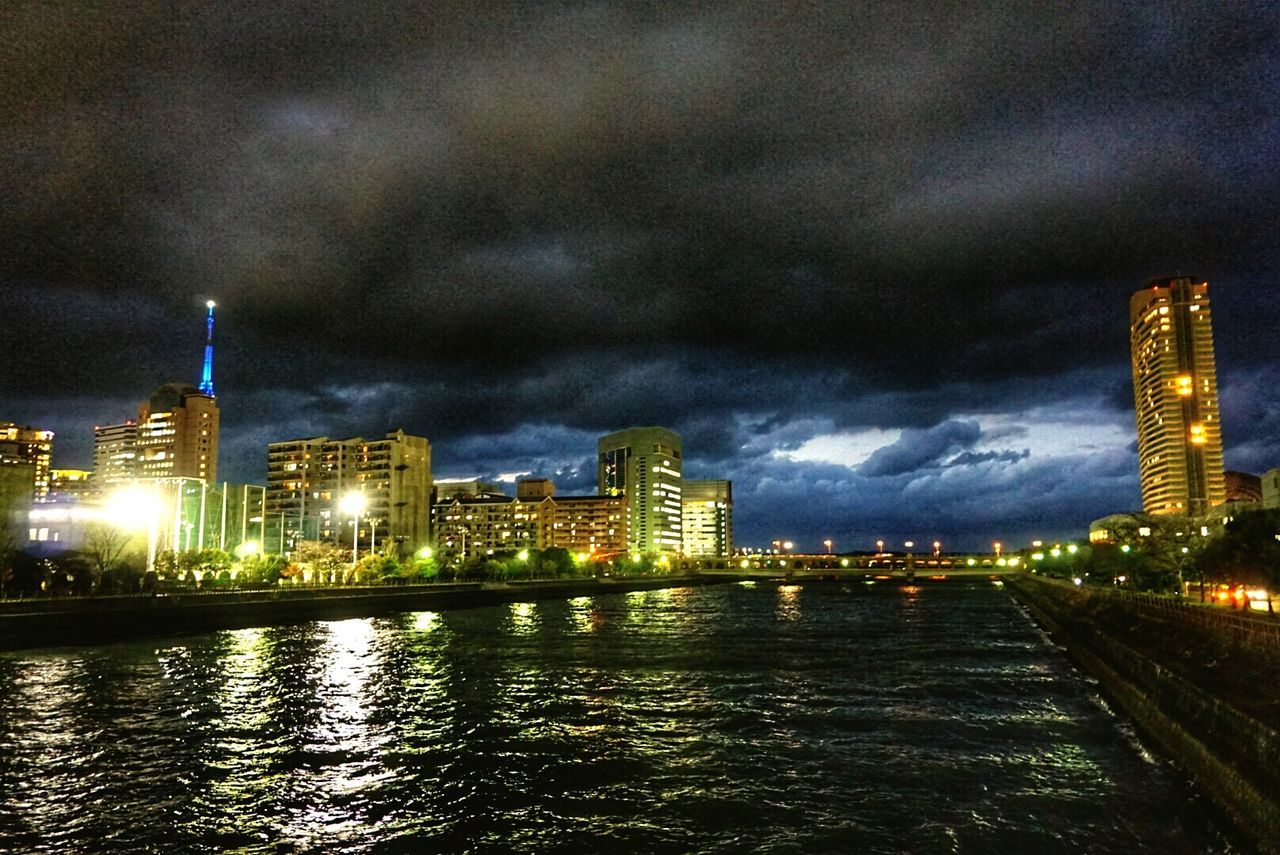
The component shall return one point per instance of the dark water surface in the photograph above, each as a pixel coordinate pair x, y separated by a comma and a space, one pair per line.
765, 718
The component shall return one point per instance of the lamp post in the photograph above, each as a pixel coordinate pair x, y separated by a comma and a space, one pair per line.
879, 547
937, 548
827, 543
353, 503
373, 535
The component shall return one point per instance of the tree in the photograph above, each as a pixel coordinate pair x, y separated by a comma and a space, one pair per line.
1246, 553
267, 568
327, 562
8, 552
103, 552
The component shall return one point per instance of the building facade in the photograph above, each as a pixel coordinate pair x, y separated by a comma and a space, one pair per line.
307, 480
1175, 390
594, 525
1271, 488
28, 446
115, 454
477, 526
644, 465
177, 434
707, 522
1242, 486
70, 485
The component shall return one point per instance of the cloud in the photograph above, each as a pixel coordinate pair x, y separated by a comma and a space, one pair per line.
809, 239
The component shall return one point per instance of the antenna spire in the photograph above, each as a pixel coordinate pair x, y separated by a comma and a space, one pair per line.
206, 378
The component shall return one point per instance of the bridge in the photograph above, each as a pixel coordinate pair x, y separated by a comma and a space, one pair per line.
886, 565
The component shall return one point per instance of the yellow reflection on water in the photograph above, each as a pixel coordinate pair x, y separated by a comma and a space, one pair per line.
788, 607
524, 619
426, 621
581, 614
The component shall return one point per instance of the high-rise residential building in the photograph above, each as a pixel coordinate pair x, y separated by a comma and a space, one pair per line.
1175, 391
178, 434
22, 446
115, 454
644, 465
307, 480
476, 526
595, 525
707, 522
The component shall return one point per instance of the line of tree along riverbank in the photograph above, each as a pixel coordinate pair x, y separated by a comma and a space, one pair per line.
1199, 683
95, 620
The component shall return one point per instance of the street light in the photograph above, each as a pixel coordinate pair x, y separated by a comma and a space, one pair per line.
353, 503
827, 543
998, 547
137, 508
937, 548
879, 547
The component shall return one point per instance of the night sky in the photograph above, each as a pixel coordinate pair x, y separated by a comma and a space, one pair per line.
872, 263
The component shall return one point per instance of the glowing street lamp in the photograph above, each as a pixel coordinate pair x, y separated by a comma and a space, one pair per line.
827, 544
937, 548
353, 504
998, 547
879, 547
137, 508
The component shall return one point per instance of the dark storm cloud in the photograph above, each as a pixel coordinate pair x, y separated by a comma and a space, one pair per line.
758, 224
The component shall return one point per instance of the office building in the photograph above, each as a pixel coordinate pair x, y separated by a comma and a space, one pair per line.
707, 518
115, 454
644, 465
307, 480
178, 434
28, 446
535, 488
1175, 389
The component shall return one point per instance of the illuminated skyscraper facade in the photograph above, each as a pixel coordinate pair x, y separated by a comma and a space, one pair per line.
177, 434
644, 464
1175, 391
28, 446
707, 522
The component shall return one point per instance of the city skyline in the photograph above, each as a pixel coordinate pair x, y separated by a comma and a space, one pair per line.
883, 289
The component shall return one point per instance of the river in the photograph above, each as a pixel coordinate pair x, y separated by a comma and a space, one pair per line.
822, 718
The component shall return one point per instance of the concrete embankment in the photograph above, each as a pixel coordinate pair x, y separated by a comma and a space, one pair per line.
1171, 670
93, 620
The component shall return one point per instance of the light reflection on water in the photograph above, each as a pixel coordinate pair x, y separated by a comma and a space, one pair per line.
687, 719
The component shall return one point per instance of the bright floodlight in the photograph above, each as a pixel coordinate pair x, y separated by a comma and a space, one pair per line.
249, 547
523, 555
352, 504
133, 507
210, 304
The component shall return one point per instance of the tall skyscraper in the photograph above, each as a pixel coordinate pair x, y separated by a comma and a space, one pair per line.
644, 464
707, 522
28, 446
1175, 393
178, 434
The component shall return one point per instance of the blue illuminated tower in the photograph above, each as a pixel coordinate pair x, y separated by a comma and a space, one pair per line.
206, 378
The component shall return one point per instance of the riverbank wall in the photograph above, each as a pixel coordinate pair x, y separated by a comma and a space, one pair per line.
97, 620
1175, 691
